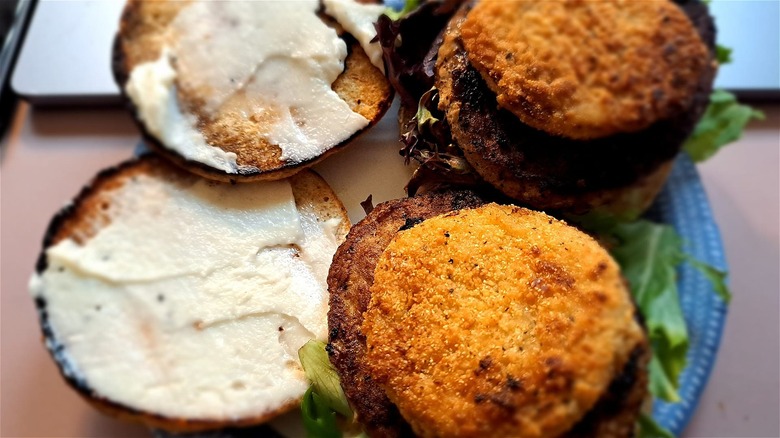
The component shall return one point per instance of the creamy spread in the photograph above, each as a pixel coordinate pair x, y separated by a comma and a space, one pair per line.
193, 301
272, 62
358, 19
151, 87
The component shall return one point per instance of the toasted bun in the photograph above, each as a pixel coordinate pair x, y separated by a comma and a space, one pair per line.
140, 39
497, 321
93, 209
586, 70
350, 278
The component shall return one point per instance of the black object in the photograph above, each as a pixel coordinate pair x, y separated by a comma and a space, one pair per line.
261, 431
14, 18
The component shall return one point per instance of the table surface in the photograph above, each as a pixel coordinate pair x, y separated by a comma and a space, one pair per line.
49, 154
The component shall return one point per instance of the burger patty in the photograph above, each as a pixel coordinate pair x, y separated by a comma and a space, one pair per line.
350, 280
547, 171
351, 275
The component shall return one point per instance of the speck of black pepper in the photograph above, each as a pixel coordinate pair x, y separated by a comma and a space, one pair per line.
512, 383
281, 329
410, 222
161, 298
446, 234
452, 290
329, 349
334, 333
451, 261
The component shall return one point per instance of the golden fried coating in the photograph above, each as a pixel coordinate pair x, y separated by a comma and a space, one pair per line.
587, 69
497, 321
349, 280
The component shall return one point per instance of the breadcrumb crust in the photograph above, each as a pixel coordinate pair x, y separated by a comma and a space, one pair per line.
514, 320
587, 69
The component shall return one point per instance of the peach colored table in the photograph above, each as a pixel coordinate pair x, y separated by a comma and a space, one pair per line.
48, 155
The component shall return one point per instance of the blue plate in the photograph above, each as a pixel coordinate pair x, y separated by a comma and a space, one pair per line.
683, 204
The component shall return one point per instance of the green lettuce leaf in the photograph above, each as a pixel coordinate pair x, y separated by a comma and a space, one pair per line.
648, 428
723, 54
325, 382
716, 277
722, 123
319, 420
648, 254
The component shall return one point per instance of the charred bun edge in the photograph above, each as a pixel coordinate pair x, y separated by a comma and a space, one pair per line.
121, 74
58, 229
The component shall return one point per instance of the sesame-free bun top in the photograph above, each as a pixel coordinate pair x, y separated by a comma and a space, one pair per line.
236, 127
497, 321
587, 69
111, 336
